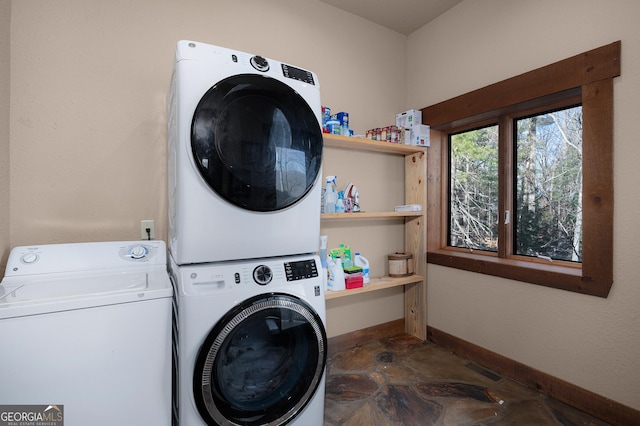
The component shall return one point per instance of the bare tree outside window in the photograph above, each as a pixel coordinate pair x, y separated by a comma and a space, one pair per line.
548, 185
474, 189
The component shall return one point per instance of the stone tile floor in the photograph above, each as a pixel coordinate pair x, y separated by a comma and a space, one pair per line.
404, 381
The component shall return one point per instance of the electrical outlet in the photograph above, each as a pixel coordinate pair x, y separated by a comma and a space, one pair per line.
150, 225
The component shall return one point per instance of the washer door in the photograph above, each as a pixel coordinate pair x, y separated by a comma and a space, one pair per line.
256, 142
262, 363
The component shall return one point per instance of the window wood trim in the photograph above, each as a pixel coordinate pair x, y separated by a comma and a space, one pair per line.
589, 74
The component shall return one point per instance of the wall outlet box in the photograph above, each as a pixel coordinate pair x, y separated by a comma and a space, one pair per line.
147, 229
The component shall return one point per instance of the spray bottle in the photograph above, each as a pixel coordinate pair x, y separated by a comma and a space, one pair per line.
330, 195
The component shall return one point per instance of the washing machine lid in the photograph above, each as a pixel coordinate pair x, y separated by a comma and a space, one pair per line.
41, 294
256, 142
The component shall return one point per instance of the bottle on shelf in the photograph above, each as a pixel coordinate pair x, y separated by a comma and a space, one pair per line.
323, 250
344, 253
362, 262
336, 275
330, 195
347, 261
323, 261
340, 207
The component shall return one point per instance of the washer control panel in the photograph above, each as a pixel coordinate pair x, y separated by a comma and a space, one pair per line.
138, 252
300, 270
203, 279
52, 258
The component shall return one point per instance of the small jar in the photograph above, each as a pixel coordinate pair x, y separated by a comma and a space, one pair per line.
393, 130
384, 131
369, 134
400, 265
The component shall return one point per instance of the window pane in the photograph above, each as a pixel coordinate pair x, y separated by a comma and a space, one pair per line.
473, 189
548, 187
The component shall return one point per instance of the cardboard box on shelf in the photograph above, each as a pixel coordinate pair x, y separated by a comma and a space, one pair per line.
409, 118
420, 135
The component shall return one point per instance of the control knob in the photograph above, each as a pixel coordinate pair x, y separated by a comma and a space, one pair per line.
260, 63
29, 258
138, 252
262, 275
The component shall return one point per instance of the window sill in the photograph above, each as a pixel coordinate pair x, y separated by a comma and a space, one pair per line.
545, 273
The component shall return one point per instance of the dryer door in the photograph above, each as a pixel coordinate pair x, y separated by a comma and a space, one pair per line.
256, 142
261, 363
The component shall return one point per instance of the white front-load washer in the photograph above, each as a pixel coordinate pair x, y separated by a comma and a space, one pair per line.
244, 156
86, 328
250, 342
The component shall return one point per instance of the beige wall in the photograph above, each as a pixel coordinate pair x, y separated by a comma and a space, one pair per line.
89, 92
591, 342
5, 26
89, 85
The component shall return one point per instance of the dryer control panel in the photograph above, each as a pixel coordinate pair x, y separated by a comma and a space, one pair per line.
298, 74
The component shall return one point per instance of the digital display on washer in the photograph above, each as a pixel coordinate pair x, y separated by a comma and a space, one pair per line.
300, 270
297, 74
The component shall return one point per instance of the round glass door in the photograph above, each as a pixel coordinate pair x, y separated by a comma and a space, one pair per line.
256, 142
261, 363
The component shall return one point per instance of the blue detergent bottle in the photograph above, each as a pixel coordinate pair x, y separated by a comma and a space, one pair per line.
340, 208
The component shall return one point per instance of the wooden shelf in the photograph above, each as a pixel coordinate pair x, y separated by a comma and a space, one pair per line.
374, 285
415, 241
370, 145
369, 215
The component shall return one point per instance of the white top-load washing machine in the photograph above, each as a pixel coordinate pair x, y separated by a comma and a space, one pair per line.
86, 328
251, 342
245, 154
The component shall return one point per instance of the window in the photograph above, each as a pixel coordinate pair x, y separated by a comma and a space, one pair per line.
547, 214
473, 189
520, 176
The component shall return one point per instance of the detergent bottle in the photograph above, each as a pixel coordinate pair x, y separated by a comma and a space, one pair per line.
336, 275
347, 261
330, 195
362, 262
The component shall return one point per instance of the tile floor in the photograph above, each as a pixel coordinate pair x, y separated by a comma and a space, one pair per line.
404, 381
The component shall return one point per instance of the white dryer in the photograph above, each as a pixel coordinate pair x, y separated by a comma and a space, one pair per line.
250, 344
245, 151
87, 327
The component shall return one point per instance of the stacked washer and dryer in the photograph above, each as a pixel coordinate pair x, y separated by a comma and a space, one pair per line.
245, 153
